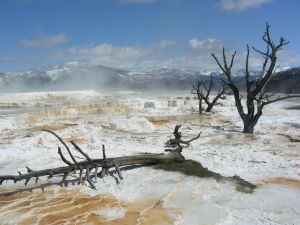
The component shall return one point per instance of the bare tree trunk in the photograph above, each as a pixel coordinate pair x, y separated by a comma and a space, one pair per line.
248, 126
200, 106
209, 107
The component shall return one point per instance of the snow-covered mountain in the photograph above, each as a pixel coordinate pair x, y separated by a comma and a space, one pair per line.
78, 76
69, 76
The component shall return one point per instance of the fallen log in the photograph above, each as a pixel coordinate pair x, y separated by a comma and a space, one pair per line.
143, 159
173, 146
86, 166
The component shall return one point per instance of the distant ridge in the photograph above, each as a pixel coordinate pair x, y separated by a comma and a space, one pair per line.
79, 76
285, 81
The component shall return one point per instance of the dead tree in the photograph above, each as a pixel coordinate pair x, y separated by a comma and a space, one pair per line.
203, 93
198, 91
89, 167
257, 96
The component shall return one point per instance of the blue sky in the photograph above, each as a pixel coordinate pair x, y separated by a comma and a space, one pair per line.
142, 33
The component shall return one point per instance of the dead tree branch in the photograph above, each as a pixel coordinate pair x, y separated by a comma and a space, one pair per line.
200, 90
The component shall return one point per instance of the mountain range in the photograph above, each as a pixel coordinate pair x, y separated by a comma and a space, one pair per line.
79, 76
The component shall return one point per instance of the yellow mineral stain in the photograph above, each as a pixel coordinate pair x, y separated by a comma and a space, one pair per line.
159, 122
156, 216
77, 140
64, 206
283, 181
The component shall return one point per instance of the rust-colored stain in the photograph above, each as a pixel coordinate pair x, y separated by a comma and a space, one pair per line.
73, 207
283, 181
77, 140
159, 122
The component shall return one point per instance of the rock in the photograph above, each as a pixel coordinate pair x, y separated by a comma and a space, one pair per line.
172, 103
149, 105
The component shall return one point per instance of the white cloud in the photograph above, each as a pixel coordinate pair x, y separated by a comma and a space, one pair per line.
210, 44
108, 54
44, 42
241, 5
118, 56
136, 1
288, 57
196, 54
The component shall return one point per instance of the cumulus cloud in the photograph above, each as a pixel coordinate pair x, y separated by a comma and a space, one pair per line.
198, 56
119, 56
288, 58
241, 5
44, 42
108, 54
210, 44
194, 54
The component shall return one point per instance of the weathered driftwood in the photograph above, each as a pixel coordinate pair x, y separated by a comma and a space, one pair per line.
89, 168
86, 167
143, 159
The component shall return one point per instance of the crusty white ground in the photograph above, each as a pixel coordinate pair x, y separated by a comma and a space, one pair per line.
124, 127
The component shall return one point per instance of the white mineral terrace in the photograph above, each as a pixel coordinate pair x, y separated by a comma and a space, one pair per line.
130, 123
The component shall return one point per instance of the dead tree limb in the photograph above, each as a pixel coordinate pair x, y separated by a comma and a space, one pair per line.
203, 93
62, 157
79, 150
143, 159
103, 152
174, 144
66, 146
